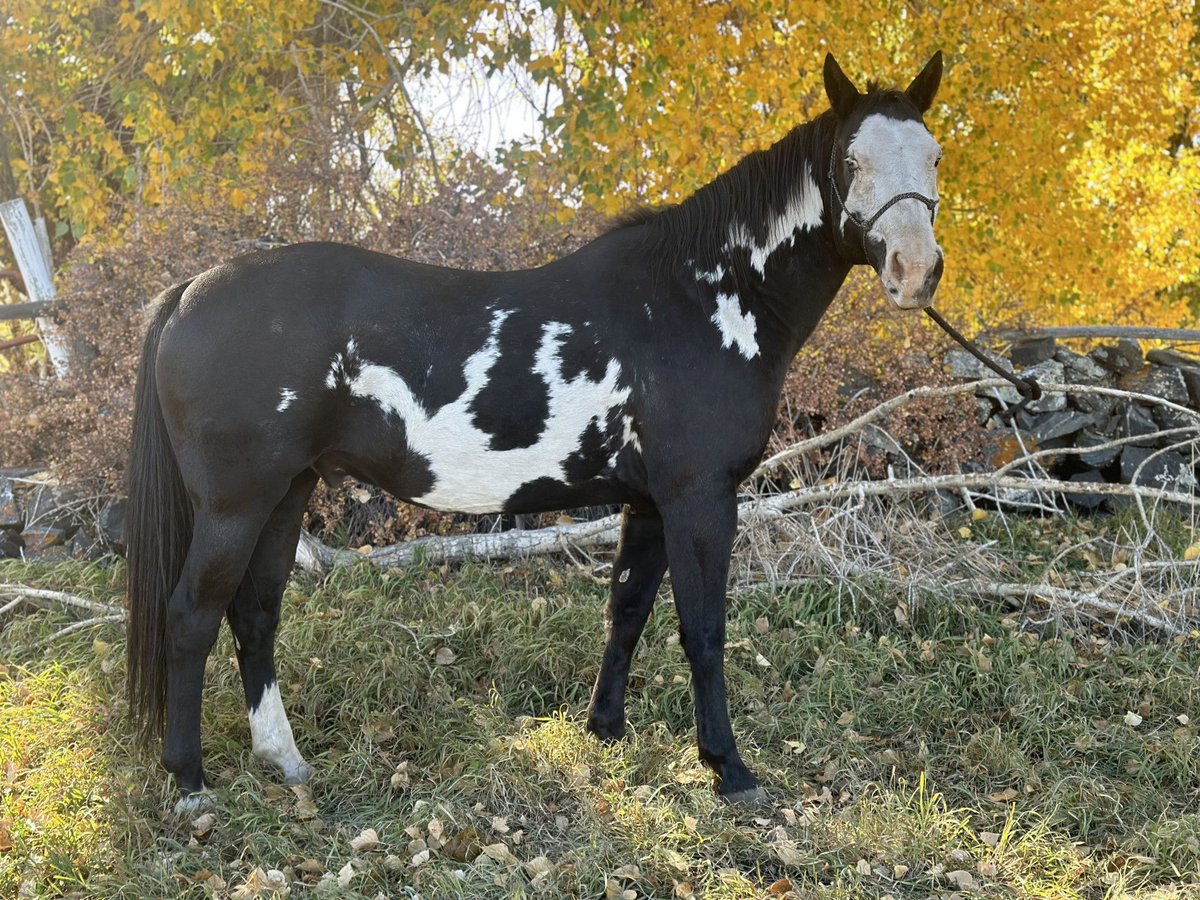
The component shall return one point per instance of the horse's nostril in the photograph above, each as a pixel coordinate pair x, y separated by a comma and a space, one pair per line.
896, 263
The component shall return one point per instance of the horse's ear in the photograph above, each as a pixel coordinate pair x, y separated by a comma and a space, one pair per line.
923, 88
841, 90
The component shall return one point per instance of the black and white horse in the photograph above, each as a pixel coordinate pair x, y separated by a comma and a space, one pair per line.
643, 369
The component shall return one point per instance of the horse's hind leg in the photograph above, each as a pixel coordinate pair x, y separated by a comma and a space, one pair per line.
254, 616
637, 572
222, 543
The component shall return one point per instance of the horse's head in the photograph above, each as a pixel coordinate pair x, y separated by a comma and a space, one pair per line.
883, 181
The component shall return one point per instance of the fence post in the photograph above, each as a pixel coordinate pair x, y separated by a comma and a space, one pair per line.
35, 268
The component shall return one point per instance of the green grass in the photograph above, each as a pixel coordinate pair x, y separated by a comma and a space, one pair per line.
955, 753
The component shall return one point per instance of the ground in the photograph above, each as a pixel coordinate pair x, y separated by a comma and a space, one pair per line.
950, 749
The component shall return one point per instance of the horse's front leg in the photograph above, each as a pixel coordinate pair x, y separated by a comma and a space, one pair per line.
699, 529
637, 573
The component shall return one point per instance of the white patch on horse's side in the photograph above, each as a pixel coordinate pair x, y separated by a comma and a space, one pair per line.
712, 277
271, 734
338, 374
895, 156
736, 327
624, 576
286, 396
805, 210
459, 454
630, 438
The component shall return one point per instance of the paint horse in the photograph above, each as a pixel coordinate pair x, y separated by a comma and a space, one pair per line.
644, 369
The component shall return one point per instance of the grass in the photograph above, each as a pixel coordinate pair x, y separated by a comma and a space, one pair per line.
955, 753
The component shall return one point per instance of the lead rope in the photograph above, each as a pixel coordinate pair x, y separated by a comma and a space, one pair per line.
1027, 386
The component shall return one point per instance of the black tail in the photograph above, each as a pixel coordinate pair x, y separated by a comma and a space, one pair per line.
158, 531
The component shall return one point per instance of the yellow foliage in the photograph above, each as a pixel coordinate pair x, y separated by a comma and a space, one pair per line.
1071, 177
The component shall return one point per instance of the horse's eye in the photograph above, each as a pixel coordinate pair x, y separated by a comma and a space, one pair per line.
851, 164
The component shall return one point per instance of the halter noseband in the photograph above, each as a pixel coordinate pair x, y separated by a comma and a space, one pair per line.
865, 225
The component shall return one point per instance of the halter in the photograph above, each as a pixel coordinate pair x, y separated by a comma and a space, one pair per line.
865, 225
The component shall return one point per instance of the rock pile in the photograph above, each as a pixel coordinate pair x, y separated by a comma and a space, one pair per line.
41, 518
1157, 444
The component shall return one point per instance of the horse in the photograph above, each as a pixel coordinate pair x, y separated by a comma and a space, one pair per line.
642, 370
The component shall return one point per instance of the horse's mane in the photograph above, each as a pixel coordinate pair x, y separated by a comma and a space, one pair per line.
755, 188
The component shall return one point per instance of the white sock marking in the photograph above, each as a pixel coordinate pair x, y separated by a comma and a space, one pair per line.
272, 736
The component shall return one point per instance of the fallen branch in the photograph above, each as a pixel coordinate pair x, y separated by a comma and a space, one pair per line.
1084, 599
79, 626
43, 599
313, 555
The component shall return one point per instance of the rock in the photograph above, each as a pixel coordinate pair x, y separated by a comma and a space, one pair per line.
1032, 350
984, 409
1124, 357
10, 514
1081, 369
1159, 381
1096, 458
856, 384
1166, 470
1136, 422
41, 538
1047, 427
1048, 372
1188, 366
1087, 501
962, 364
10, 545
49, 507
83, 545
111, 523
1165, 418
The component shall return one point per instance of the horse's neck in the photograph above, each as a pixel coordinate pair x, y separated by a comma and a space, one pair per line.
779, 268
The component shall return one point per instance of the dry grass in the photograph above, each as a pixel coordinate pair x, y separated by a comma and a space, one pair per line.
914, 740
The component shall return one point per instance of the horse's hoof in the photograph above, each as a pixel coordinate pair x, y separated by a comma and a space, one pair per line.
195, 803
754, 796
299, 775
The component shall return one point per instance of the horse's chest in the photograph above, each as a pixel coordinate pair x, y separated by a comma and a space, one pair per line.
526, 414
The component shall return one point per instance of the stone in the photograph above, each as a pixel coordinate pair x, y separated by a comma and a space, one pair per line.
856, 384
1080, 368
1136, 422
962, 364
10, 513
83, 545
1165, 417
1159, 381
111, 523
10, 545
984, 409
1032, 350
1062, 423
1097, 459
1048, 372
49, 507
1188, 366
41, 538
1087, 501
1124, 357
1165, 470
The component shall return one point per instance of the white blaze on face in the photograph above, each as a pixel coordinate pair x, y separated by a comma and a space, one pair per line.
271, 734
468, 475
897, 156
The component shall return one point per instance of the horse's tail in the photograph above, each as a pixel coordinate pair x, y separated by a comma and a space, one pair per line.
157, 533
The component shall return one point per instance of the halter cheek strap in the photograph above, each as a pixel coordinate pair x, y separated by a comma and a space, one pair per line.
865, 225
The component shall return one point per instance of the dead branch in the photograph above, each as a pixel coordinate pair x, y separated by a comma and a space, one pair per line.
43, 599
